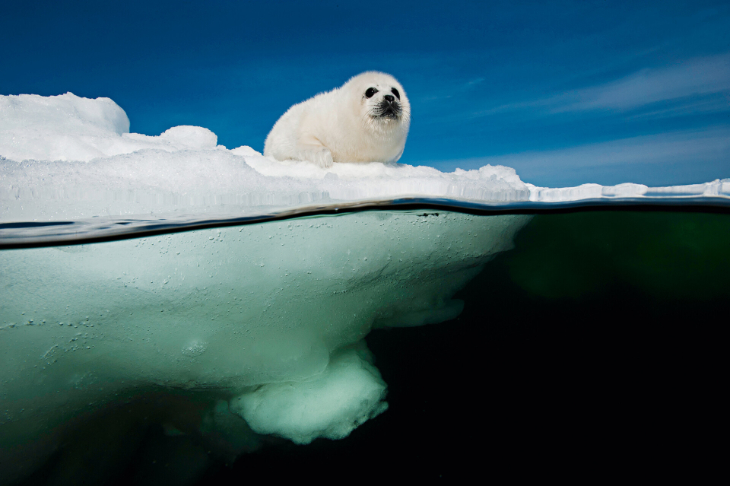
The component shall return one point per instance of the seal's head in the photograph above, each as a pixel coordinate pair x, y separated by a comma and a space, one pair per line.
365, 120
382, 100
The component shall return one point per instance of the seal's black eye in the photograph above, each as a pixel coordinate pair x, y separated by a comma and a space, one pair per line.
395, 92
370, 92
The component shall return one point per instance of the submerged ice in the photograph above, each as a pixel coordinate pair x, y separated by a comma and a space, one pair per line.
266, 320
269, 317
346, 394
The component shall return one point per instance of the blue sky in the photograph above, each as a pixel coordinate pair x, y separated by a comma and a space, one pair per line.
565, 92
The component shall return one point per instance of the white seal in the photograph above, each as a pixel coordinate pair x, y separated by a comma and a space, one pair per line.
365, 120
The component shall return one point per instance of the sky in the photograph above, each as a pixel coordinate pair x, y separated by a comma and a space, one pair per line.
566, 92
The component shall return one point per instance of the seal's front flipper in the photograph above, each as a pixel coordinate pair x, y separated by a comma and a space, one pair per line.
322, 158
318, 155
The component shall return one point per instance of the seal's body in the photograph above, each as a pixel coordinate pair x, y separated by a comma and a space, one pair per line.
365, 120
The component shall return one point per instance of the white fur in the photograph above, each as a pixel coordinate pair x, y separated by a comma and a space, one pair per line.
340, 126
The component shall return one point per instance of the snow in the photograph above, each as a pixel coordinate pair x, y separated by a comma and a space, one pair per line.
68, 158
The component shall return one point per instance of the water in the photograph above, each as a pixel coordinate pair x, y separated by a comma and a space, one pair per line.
599, 327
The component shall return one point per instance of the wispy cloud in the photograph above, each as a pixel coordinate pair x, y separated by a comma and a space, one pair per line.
688, 149
699, 82
689, 146
451, 91
695, 77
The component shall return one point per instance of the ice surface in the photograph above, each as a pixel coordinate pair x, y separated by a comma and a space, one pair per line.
70, 158
716, 189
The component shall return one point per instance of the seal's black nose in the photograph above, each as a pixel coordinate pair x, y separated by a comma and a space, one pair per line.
389, 98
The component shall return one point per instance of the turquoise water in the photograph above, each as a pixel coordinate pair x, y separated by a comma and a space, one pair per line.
503, 340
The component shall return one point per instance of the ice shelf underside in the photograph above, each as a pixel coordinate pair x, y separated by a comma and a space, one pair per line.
248, 315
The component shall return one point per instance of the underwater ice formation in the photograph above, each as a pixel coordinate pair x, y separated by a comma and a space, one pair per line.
265, 321
269, 316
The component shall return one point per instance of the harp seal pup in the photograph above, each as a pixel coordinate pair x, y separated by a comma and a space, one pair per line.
364, 120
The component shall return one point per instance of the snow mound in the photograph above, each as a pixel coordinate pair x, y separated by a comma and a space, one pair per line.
71, 128
190, 137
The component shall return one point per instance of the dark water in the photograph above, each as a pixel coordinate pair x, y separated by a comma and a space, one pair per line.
597, 342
